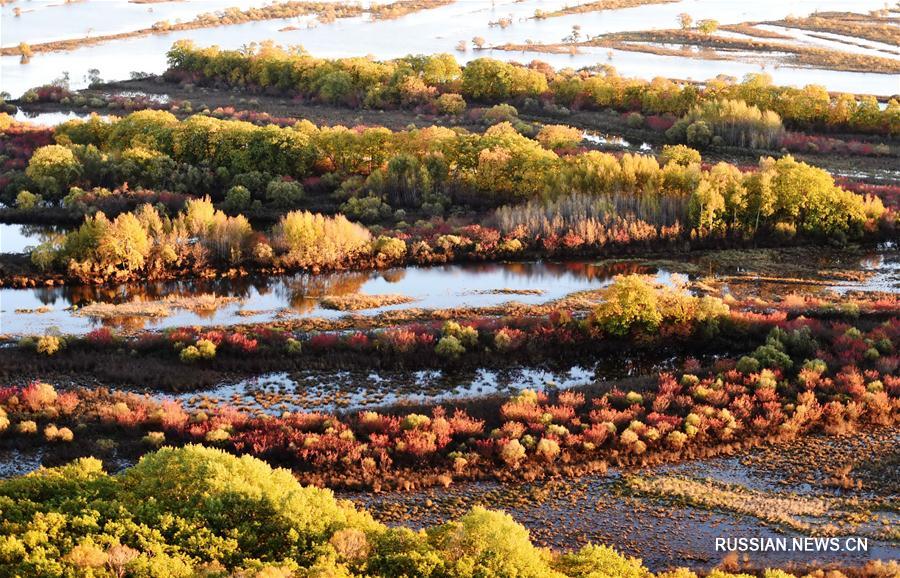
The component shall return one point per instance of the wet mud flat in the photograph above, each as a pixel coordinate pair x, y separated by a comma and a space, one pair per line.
670, 532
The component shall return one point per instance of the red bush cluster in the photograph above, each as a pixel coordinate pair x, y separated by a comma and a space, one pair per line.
801, 142
852, 379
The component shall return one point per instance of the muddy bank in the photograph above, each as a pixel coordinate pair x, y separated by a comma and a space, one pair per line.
565, 512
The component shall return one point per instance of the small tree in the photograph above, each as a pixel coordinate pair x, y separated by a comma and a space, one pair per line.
25, 51
685, 20
237, 199
478, 41
27, 201
708, 26
557, 136
53, 168
680, 155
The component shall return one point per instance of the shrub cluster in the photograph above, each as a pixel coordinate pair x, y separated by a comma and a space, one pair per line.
588, 199
196, 511
149, 244
807, 375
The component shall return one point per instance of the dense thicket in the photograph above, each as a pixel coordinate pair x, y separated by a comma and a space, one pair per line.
196, 511
378, 170
420, 80
581, 197
153, 244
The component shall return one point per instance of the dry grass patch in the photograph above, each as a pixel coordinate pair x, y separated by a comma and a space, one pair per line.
597, 6
205, 303
510, 291
884, 28
358, 301
811, 514
38, 310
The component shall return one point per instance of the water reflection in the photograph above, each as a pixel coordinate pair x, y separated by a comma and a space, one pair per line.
53, 118
256, 299
16, 238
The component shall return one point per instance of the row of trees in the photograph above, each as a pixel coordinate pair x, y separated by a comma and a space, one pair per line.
435, 166
152, 149
419, 80
608, 201
783, 195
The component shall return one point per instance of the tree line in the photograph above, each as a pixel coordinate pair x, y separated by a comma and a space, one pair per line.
426, 80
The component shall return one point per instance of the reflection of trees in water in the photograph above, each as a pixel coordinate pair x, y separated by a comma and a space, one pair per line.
127, 323
303, 291
154, 291
394, 275
548, 271
37, 234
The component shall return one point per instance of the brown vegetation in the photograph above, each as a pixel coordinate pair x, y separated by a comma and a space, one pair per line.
597, 6
357, 301
871, 26
160, 308
718, 47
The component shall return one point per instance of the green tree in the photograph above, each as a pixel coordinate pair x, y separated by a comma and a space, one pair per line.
284, 194
706, 207
54, 169
488, 543
237, 199
708, 27
595, 561
558, 136
680, 155
124, 244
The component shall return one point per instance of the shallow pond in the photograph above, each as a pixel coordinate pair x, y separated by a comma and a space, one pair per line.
258, 300
51, 20
328, 391
254, 300
52, 118
440, 29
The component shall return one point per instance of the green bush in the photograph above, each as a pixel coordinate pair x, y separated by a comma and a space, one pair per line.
594, 561
53, 168
449, 347
451, 103
369, 209
680, 155
284, 194
629, 303
634, 120
500, 113
237, 199
487, 543
27, 201
748, 365
391, 248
